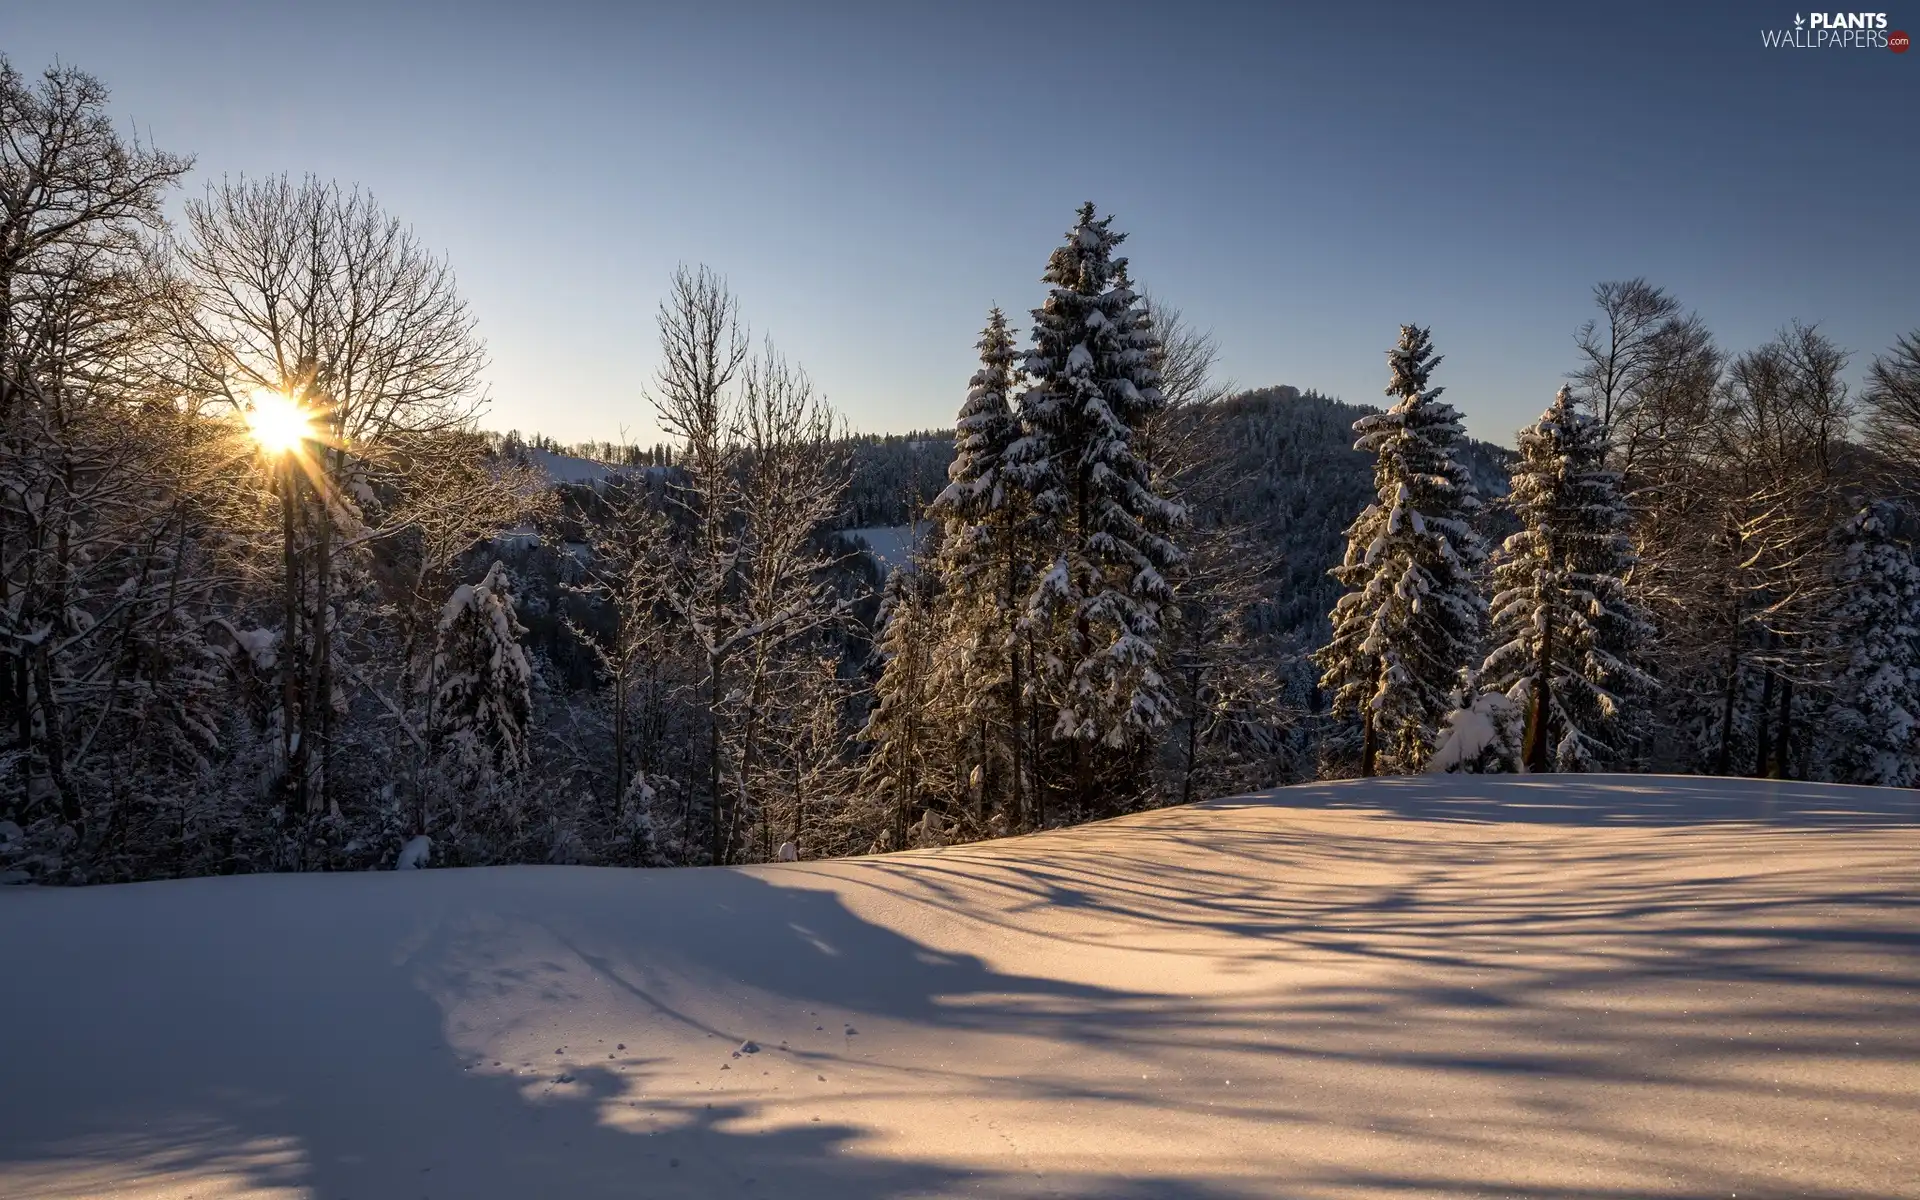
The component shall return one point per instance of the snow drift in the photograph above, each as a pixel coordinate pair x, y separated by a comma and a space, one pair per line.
1593, 987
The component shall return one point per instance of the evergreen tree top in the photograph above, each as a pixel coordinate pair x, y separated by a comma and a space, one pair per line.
1417, 440
987, 390
985, 427
1564, 422
1560, 467
1411, 364
1093, 348
1086, 263
995, 344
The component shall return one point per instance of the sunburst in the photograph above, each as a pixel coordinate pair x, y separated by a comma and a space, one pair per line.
278, 423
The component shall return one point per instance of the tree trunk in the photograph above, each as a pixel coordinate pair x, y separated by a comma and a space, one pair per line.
799, 813
1369, 742
1016, 731
289, 654
1017, 734
1082, 771
313, 716
1763, 743
904, 794
989, 774
749, 758
1539, 736
1723, 762
619, 730
713, 756
52, 727
13, 681
1193, 724
1033, 724
1783, 732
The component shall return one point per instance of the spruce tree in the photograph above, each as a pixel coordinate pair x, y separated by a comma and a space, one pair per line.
982, 566
1103, 525
1874, 725
480, 683
902, 728
978, 486
1565, 629
1413, 616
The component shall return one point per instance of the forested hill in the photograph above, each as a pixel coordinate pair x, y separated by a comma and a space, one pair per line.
1296, 482
1299, 483
1294, 448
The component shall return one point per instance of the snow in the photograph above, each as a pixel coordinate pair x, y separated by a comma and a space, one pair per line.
891, 545
1433, 986
459, 601
417, 853
261, 645
519, 537
564, 468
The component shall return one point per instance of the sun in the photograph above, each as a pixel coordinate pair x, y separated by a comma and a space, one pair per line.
278, 423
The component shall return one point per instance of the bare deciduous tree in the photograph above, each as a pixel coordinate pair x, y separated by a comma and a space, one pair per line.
740, 574
314, 293
1736, 507
1228, 693
78, 489
1640, 346
794, 482
1892, 401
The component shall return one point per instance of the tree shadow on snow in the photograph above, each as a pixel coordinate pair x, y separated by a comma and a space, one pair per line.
1452, 985
317, 1033
1605, 800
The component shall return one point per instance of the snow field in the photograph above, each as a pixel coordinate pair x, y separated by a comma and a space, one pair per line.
1593, 986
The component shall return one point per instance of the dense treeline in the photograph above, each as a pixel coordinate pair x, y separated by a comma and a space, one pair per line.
269, 600
1713, 569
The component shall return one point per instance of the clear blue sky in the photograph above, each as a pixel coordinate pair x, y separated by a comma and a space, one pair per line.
871, 177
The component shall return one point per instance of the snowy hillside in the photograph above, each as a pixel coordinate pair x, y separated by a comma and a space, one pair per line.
566, 468
1608, 987
891, 546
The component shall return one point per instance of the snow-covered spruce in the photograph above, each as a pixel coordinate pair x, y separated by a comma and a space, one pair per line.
983, 570
1875, 719
1100, 602
480, 680
979, 489
902, 729
1413, 616
1565, 628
